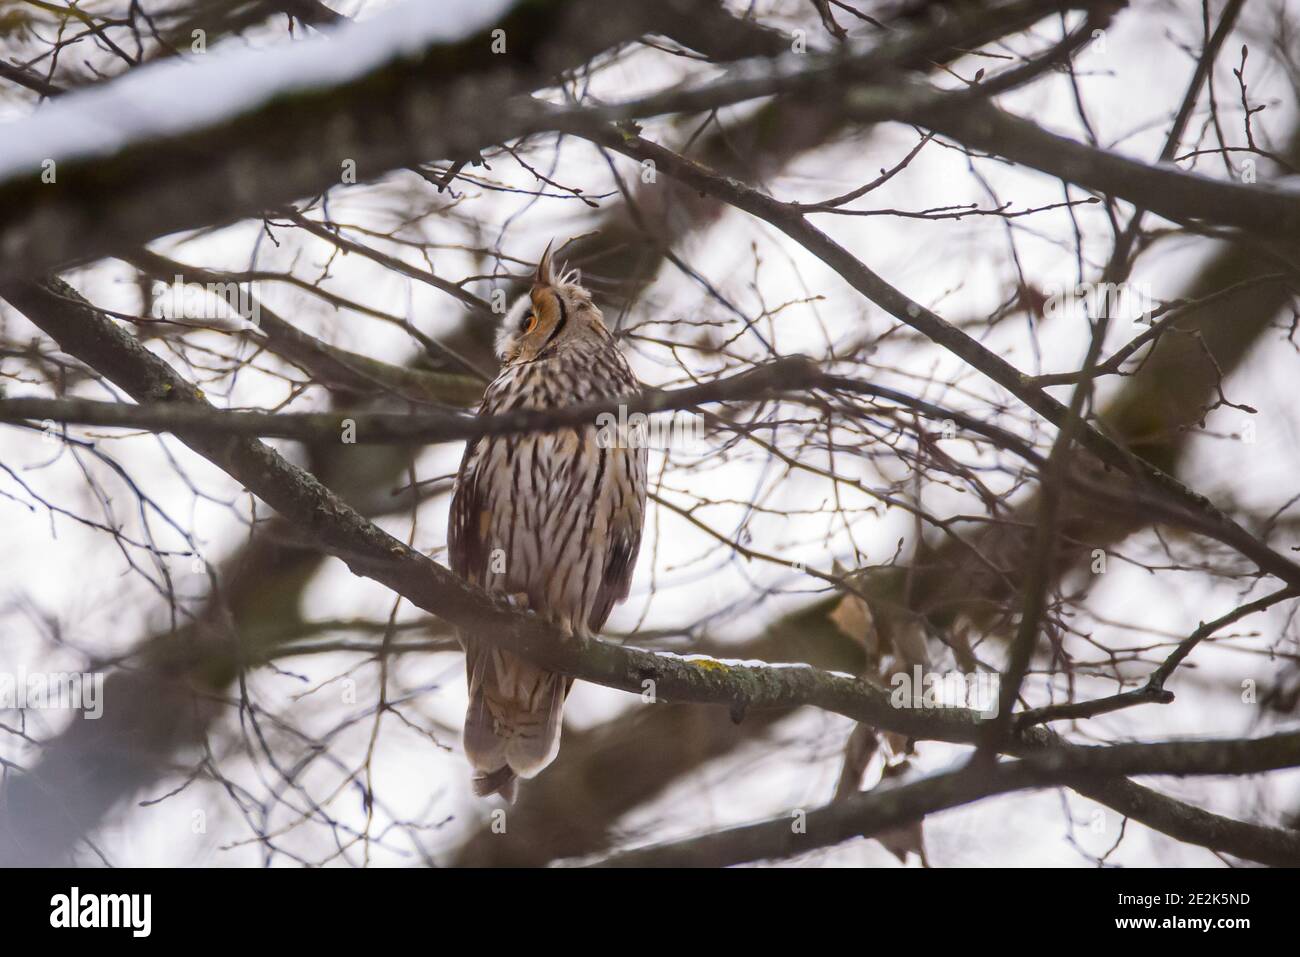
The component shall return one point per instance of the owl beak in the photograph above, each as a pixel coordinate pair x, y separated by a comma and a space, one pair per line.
543, 276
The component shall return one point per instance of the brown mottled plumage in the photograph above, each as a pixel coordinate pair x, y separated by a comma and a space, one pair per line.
552, 520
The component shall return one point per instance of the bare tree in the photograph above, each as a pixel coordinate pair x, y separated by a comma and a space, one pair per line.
963, 329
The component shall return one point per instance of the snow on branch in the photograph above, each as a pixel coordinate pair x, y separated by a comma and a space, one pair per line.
179, 95
159, 160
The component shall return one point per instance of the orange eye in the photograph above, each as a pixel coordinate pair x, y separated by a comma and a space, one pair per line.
530, 323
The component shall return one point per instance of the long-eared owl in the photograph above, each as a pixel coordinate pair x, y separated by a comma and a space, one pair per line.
550, 519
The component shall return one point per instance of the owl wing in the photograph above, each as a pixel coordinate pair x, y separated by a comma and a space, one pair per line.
624, 543
469, 522
465, 547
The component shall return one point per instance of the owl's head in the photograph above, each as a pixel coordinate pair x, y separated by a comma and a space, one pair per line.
556, 313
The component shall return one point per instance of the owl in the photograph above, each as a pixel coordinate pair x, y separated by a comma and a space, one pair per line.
550, 520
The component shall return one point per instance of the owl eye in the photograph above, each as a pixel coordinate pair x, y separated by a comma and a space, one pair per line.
528, 323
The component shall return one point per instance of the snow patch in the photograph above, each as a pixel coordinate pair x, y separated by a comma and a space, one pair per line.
743, 663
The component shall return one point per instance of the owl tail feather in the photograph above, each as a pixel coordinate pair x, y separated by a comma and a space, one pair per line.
501, 781
512, 725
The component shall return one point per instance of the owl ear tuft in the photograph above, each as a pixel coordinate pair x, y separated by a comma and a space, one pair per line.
543, 276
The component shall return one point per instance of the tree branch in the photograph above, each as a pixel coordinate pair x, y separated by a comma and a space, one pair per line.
420, 104
398, 115
791, 222
871, 812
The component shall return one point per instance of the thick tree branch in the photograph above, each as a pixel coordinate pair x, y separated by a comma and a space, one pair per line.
418, 106
400, 115
868, 813
1271, 211
792, 376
